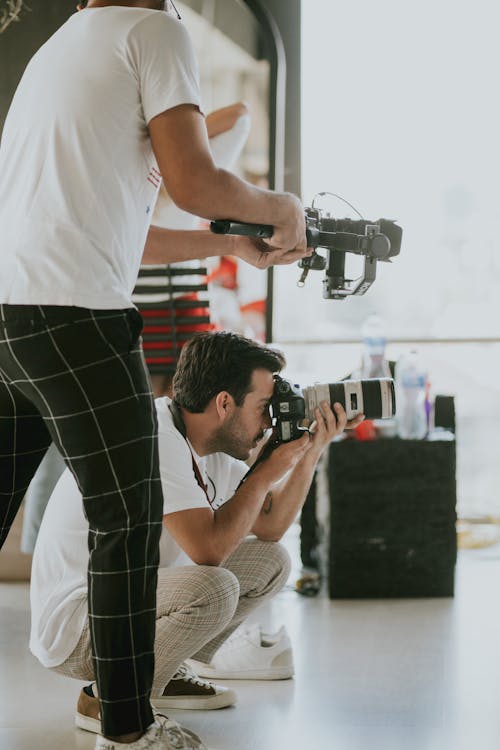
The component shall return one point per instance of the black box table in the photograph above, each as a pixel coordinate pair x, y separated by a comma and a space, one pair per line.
392, 518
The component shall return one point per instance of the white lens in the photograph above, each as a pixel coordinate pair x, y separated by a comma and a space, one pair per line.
353, 398
386, 390
313, 396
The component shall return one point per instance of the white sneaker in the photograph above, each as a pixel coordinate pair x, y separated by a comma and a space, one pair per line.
164, 734
250, 655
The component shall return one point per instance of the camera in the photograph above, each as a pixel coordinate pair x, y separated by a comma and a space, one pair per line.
292, 408
378, 240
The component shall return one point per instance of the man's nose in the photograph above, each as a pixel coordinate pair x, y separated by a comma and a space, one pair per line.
267, 421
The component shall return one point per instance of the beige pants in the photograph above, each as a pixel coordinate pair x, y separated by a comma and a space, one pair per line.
198, 607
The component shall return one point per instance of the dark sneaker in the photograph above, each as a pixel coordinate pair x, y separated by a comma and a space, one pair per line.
87, 711
188, 691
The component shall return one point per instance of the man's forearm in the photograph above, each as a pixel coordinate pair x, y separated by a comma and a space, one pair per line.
219, 194
173, 246
236, 518
284, 502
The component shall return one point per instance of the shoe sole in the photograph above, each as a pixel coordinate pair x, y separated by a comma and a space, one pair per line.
282, 673
221, 700
87, 723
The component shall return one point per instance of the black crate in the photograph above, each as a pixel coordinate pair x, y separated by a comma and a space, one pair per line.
392, 520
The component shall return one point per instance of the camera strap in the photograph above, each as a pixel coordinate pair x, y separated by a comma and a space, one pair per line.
181, 427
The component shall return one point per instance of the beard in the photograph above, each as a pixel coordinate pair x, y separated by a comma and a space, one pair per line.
234, 441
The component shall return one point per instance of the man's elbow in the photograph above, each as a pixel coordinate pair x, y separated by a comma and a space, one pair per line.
212, 561
269, 535
194, 193
209, 556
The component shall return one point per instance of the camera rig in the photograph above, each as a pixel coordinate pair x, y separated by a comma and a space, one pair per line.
375, 240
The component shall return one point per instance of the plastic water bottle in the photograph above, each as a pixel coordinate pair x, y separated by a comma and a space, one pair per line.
374, 363
411, 381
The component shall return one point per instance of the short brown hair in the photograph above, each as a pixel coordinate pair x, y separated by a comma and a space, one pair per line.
213, 362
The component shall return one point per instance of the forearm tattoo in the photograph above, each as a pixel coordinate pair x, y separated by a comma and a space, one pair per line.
268, 504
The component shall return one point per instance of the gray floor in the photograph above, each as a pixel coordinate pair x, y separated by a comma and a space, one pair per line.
383, 675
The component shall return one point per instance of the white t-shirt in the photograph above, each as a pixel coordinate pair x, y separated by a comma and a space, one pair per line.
78, 177
59, 572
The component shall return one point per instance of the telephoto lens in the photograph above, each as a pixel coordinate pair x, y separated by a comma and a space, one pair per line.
375, 397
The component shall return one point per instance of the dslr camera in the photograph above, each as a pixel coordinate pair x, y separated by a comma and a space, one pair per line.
292, 408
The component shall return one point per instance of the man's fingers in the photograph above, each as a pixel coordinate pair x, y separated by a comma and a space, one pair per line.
341, 416
277, 257
352, 423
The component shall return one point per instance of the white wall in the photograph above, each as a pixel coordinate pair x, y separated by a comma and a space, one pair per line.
400, 116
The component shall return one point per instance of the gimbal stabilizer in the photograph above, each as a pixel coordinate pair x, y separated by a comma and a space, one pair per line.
376, 240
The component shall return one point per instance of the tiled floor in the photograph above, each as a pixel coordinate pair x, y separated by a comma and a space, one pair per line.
383, 675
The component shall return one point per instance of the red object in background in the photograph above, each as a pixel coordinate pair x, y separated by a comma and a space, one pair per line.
258, 306
225, 274
365, 431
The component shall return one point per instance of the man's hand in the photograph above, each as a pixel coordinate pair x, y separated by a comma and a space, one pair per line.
329, 424
284, 458
289, 226
257, 253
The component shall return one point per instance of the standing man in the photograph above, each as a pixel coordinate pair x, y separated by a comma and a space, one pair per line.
105, 110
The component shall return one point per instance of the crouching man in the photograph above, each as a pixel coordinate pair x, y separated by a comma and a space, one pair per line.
212, 574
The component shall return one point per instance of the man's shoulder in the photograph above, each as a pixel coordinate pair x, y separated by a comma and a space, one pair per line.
153, 24
164, 415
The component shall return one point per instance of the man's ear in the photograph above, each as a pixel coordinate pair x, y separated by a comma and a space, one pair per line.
224, 404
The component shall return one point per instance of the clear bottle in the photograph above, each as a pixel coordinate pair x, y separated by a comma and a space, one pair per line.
411, 380
374, 363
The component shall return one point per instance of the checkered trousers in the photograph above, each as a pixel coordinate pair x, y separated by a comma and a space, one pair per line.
77, 377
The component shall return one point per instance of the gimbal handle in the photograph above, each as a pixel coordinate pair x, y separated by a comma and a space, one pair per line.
262, 231
226, 226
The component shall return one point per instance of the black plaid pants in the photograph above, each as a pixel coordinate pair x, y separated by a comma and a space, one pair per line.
77, 377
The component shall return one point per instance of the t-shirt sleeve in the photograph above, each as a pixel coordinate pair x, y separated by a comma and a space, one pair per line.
180, 489
165, 63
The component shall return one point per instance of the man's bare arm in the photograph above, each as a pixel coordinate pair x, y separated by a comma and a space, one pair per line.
175, 245
195, 184
208, 536
284, 501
